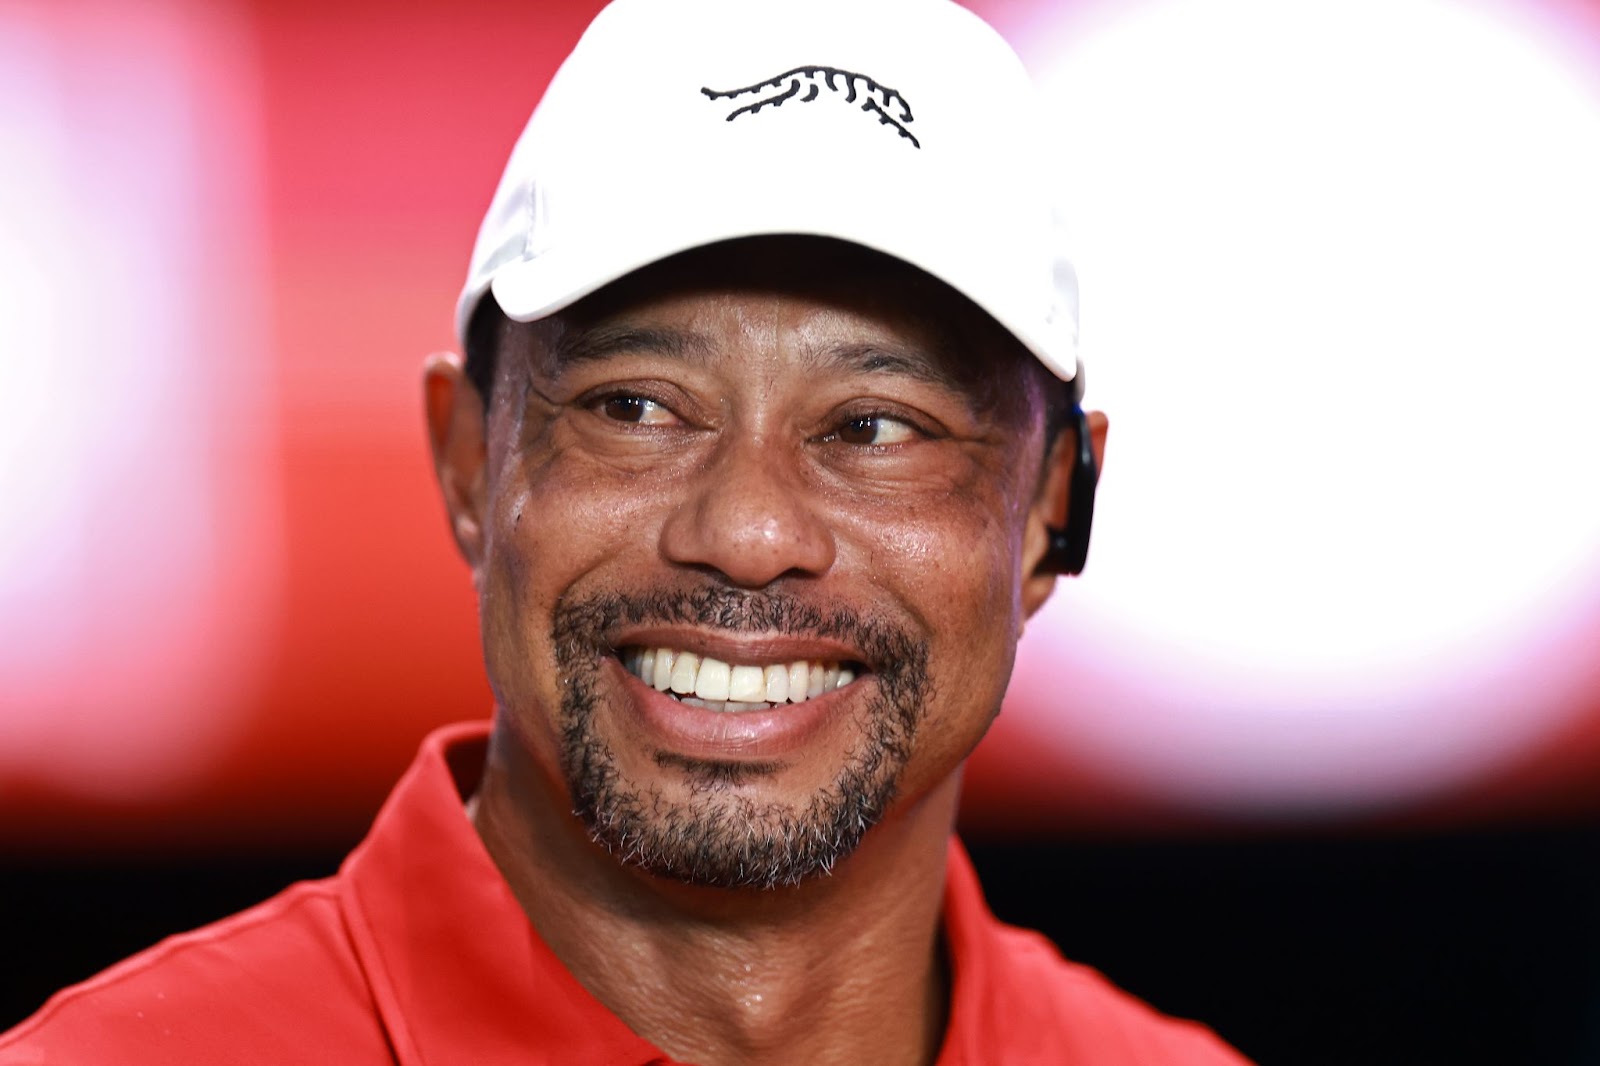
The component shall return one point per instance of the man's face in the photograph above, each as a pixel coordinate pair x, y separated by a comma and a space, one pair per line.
754, 552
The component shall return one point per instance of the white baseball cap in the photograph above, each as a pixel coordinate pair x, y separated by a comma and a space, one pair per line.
907, 126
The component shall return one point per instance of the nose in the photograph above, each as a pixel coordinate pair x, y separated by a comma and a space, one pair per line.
747, 515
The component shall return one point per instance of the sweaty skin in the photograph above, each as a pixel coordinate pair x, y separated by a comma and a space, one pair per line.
832, 458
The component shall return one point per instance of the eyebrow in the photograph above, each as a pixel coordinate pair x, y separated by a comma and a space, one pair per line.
597, 343
602, 342
876, 358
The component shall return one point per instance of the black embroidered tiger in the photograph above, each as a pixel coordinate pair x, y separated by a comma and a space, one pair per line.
891, 108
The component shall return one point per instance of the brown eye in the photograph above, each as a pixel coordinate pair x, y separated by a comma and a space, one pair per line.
635, 409
875, 430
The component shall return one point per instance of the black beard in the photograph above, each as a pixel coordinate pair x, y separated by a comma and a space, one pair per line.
717, 839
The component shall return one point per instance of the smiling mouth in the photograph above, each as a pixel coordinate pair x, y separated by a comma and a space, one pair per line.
702, 681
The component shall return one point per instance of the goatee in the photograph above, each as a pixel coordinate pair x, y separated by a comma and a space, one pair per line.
717, 837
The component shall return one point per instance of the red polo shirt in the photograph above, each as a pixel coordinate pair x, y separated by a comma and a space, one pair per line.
417, 953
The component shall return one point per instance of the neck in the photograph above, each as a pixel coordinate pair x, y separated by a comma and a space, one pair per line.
846, 968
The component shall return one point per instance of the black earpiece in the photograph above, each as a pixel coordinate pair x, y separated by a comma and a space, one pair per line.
1069, 547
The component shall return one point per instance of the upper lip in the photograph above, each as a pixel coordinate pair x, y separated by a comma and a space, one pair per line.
756, 649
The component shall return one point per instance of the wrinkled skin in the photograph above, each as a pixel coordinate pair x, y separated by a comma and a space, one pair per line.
778, 449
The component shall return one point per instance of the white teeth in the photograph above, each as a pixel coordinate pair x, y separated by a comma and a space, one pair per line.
797, 681
777, 683
717, 685
684, 670
662, 677
747, 684
711, 683
710, 705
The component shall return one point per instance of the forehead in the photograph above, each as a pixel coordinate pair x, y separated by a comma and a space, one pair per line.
838, 298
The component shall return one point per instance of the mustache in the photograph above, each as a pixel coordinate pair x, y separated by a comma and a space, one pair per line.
887, 646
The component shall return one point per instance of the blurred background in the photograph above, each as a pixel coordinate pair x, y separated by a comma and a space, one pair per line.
1311, 752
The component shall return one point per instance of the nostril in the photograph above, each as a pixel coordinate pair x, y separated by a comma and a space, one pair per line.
748, 529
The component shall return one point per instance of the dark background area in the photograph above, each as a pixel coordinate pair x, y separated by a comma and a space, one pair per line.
1311, 950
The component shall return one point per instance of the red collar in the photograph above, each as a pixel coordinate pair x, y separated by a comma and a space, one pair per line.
456, 969
459, 975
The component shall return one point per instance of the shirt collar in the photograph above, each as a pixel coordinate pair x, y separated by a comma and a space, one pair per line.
459, 975
456, 969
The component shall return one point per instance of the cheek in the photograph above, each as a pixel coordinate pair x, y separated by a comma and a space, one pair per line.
557, 524
955, 559
505, 601
557, 517
954, 564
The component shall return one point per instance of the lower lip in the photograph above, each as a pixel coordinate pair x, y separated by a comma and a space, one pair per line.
699, 733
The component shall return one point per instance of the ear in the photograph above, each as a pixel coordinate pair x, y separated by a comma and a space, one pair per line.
457, 435
1050, 508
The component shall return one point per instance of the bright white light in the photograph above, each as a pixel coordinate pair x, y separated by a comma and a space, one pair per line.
1341, 281
133, 578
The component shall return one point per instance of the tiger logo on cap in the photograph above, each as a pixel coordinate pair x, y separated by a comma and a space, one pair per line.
888, 104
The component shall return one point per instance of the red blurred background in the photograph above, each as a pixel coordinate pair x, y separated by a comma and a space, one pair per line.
231, 606
1311, 751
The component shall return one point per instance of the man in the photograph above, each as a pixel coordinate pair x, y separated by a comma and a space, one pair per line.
759, 458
